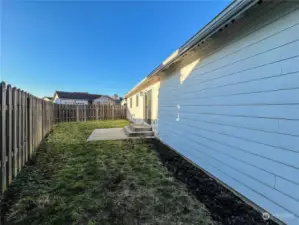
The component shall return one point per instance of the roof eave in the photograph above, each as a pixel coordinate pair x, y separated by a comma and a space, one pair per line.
232, 11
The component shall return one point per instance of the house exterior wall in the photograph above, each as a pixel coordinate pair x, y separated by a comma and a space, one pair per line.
56, 99
136, 113
69, 101
73, 102
234, 108
47, 99
103, 100
155, 102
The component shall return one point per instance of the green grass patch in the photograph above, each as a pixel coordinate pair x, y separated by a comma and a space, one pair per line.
71, 181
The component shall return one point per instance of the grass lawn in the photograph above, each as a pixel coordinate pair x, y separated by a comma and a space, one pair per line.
72, 181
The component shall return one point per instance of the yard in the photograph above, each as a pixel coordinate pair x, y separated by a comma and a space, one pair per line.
71, 181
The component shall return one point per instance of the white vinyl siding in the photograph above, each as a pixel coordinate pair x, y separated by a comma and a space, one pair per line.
237, 113
71, 101
103, 100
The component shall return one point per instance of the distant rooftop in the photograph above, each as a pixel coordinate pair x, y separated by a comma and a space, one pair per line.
79, 95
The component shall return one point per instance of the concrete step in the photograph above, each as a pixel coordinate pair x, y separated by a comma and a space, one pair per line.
140, 127
132, 133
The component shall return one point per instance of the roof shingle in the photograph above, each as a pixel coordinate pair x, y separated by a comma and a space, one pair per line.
78, 95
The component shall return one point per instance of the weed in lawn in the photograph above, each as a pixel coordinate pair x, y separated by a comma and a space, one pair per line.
72, 181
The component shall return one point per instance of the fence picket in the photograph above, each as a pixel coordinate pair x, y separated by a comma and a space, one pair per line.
30, 147
19, 127
3, 136
14, 132
25, 127
9, 133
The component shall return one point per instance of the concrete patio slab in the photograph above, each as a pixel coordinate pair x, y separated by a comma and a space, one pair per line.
108, 134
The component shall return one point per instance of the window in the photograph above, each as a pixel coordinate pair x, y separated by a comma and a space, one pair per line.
131, 102
137, 100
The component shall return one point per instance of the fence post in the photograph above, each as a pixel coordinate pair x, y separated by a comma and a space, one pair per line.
112, 108
9, 133
33, 123
20, 130
77, 113
26, 126
42, 117
3, 136
59, 112
84, 111
97, 111
14, 132
23, 128
56, 113
30, 149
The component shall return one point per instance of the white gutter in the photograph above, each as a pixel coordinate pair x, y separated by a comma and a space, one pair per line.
144, 79
231, 12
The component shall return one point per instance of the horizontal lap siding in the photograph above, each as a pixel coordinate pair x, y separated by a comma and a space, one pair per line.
237, 114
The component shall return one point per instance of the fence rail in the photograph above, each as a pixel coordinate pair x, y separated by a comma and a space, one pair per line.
26, 120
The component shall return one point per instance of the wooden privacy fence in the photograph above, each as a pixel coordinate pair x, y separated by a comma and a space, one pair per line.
66, 113
26, 120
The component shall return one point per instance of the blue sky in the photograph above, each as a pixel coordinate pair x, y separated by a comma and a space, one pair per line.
94, 46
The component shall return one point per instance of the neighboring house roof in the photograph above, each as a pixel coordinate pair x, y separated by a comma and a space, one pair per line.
229, 14
79, 95
49, 98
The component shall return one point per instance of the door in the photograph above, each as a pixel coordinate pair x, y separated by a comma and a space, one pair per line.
148, 107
